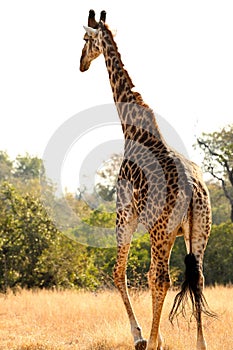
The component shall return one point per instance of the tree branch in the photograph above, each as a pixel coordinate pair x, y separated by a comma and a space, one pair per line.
222, 160
222, 156
202, 143
227, 194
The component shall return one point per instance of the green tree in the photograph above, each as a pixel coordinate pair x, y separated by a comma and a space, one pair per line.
219, 204
29, 175
67, 264
28, 167
218, 159
139, 261
96, 229
107, 178
6, 166
25, 231
218, 262
33, 253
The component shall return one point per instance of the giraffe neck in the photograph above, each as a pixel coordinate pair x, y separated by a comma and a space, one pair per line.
120, 81
134, 113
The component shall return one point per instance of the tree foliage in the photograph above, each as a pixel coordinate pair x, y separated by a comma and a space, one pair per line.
107, 178
220, 206
218, 159
219, 255
5, 166
33, 252
25, 232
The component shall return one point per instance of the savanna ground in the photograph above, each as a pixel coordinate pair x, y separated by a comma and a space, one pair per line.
46, 320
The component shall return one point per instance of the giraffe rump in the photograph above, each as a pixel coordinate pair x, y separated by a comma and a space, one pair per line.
190, 288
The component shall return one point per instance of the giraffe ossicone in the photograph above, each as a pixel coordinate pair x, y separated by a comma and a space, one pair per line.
158, 187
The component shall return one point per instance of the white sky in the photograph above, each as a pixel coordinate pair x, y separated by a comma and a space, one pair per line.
179, 55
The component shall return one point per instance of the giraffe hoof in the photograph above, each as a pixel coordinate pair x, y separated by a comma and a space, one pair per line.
141, 344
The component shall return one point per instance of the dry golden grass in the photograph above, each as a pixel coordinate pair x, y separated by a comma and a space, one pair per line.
68, 320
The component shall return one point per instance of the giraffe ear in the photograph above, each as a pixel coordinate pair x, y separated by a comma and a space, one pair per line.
90, 31
114, 32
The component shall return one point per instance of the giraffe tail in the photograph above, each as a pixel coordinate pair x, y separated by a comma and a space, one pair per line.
190, 288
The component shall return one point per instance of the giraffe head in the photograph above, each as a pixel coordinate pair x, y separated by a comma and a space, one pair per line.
93, 43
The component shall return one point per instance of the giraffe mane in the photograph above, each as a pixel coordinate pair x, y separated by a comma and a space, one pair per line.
138, 97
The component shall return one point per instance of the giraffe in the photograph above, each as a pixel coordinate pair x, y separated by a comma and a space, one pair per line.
157, 187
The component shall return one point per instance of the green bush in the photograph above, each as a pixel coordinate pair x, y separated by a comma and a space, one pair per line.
218, 262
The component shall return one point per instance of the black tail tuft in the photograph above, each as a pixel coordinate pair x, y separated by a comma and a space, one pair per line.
192, 288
